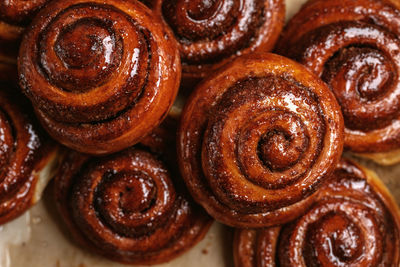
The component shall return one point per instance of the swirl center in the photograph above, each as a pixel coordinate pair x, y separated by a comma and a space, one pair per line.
344, 238
82, 44
362, 79
133, 192
276, 152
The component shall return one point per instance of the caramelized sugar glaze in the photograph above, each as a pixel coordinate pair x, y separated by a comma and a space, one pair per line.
131, 206
210, 33
257, 138
354, 221
354, 46
15, 15
100, 75
24, 152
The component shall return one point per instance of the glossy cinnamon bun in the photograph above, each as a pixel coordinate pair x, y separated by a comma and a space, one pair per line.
129, 206
353, 45
101, 75
210, 33
257, 138
353, 222
27, 156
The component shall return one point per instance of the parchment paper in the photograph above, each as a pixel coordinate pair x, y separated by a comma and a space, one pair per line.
39, 239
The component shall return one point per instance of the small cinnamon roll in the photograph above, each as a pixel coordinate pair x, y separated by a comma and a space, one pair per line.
27, 157
353, 45
257, 138
210, 33
101, 75
128, 206
354, 221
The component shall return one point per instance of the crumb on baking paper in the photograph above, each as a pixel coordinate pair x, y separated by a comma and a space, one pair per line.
204, 251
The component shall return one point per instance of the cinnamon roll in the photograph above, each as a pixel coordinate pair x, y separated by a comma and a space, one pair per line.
101, 75
127, 206
210, 33
27, 157
257, 138
353, 45
353, 222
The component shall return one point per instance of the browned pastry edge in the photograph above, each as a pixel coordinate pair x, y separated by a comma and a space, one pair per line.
345, 233
258, 104
27, 156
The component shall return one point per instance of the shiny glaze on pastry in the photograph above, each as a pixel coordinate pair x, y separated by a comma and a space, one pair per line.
210, 33
101, 76
130, 206
15, 15
354, 46
257, 138
26, 156
353, 222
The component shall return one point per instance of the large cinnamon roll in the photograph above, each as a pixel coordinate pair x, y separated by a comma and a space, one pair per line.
128, 206
353, 45
353, 222
210, 33
101, 75
27, 157
257, 138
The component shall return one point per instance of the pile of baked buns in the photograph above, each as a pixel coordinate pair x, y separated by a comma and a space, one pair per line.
156, 117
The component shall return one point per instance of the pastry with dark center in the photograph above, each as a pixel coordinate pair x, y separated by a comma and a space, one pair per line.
354, 221
257, 138
212, 32
131, 206
353, 45
101, 75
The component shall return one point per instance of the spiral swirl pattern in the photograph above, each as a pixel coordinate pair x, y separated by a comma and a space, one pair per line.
211, 32
257, 138
23, 153
126, 207
354, 47
101, 76
353, 222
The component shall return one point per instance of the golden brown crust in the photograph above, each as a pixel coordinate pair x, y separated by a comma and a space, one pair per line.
143, 214
24, 152
257, 138
353, 46
353, 222
102, 75
211, 33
